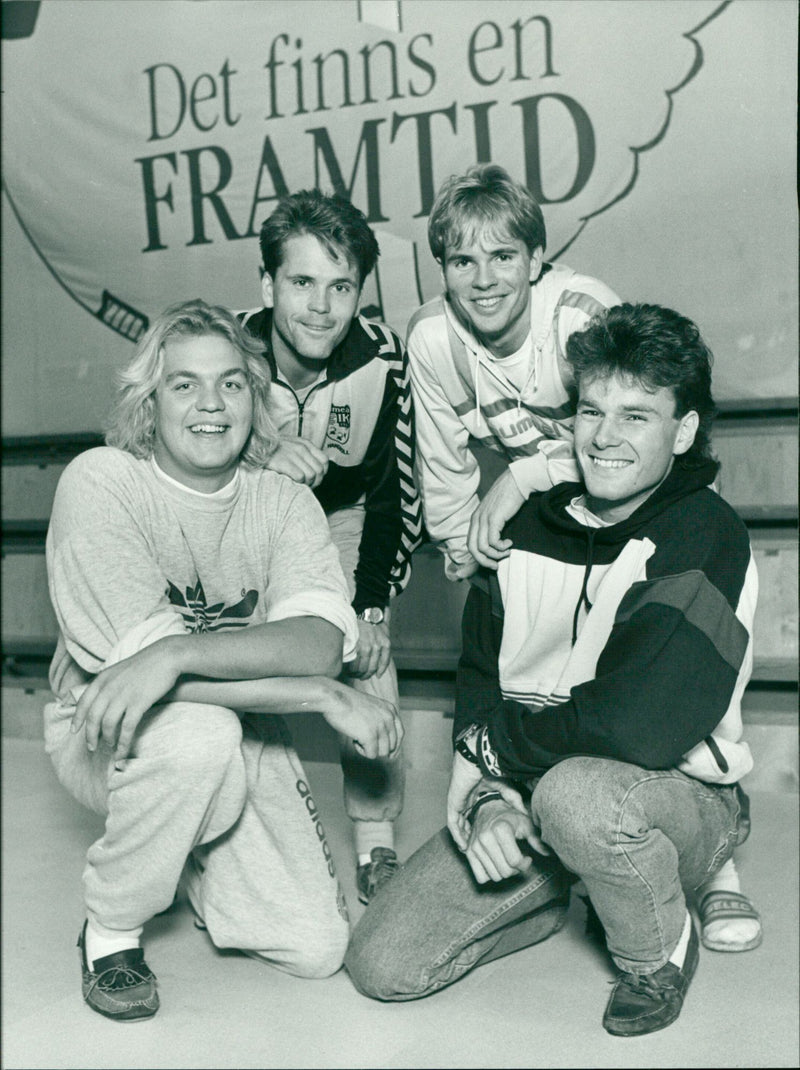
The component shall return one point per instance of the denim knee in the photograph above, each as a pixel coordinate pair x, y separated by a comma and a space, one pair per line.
374, 970
576, 803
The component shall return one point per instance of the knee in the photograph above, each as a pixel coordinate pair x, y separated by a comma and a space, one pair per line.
572, 801
316, 964
320, 955
375, 967
195, 739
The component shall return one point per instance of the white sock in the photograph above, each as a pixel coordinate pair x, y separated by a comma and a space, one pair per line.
371, 834
101, 941
679, 954
725, 879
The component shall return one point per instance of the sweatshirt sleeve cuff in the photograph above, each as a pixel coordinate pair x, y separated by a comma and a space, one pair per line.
487, 756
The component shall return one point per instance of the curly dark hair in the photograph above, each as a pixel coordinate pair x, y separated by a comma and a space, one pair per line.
658, 348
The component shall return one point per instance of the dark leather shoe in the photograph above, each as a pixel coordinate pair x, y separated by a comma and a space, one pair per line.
643, 1003
120, 986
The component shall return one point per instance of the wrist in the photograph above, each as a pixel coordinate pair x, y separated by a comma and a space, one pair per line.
327, 695
483, 799
177, 651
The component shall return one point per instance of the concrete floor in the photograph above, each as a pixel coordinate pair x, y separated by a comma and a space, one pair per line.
541, 1007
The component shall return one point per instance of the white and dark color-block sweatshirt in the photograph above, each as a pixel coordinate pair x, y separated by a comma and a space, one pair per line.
632, 641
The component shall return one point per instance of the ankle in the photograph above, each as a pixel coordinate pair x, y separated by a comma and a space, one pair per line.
100, 941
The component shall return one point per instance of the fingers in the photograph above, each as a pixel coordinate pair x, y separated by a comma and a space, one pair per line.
382, 734
538, 844
374, 651
497, 851
301, 460
484, 541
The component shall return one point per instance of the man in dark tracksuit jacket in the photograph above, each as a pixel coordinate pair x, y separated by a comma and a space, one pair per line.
341, 401
598, 726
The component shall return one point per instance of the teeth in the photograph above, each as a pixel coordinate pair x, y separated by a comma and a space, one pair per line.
487, 302
213, 428
607, 463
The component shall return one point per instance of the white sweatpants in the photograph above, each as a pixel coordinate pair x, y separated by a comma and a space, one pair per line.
231, 794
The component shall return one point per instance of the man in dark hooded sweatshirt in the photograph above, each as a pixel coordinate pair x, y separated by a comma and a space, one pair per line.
598, 731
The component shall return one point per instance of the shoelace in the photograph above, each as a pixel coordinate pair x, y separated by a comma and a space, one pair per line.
643, 983
117, 977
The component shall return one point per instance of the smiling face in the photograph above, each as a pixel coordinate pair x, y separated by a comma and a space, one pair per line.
626, 438
204, 411
488, 278
314, 297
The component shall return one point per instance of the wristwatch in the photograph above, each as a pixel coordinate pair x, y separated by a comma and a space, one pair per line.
372, 615
463, 740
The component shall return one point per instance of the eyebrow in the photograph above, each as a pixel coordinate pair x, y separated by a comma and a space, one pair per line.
193, 375
625, 408
457, 254
334, 282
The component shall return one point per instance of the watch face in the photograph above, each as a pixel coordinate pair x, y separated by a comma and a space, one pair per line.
373, 615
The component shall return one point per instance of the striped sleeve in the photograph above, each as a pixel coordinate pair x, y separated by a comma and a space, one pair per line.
393, 523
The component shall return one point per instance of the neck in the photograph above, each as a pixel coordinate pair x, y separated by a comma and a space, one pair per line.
297, 370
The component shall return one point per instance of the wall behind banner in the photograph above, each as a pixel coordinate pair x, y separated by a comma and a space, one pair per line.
704, 220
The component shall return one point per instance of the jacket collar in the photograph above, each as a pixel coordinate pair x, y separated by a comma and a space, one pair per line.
680, 483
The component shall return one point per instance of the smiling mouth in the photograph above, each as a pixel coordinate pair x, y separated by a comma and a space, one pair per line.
208, 429
318, 328
488, 303
609, 462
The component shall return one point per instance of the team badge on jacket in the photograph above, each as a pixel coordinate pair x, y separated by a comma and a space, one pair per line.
339, 427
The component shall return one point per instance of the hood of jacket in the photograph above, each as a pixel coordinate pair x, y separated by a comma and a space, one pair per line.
681, 482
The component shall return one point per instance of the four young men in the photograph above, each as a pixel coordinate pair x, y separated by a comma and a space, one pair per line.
578, 755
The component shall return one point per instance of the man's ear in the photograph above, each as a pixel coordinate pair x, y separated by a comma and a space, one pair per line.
537, 259
687, 430
267, 291
440, 262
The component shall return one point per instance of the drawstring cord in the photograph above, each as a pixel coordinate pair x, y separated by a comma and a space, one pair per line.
584, 598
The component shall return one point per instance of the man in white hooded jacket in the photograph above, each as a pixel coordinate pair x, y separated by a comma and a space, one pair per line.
487, 362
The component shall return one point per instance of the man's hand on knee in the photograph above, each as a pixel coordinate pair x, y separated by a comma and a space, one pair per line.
493, 850
374, 650
115, 701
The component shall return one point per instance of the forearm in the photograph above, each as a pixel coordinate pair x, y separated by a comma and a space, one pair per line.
276, 694
298, 646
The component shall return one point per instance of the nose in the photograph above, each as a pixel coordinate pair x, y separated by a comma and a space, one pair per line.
210, 399
484, 277
318, 300
606, 433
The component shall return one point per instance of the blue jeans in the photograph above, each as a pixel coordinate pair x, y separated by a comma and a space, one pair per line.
639, 839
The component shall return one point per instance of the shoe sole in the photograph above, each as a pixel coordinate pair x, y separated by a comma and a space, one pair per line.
124, 1021
748, 945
